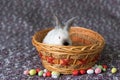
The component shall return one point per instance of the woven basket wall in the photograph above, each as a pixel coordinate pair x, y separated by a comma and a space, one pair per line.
85, 51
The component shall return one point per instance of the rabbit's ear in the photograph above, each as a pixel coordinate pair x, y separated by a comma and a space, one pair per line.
57, 22
69, 23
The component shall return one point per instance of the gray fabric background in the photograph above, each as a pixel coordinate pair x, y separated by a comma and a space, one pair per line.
20, 19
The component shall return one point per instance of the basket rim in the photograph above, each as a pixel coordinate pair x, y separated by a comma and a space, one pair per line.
52, 45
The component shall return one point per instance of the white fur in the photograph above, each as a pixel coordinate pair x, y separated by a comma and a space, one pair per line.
59, 34
53, 37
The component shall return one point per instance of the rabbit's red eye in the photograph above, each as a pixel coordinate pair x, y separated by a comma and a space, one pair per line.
59, 37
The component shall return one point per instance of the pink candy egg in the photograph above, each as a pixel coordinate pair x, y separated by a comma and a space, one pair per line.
97, 70
26, 72
44, 75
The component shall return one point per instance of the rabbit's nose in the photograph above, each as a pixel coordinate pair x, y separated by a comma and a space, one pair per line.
65, 43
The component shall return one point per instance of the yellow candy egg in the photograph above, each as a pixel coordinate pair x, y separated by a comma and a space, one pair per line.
32, 72
113, 70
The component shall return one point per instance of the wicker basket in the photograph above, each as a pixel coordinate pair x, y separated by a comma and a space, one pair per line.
83, 54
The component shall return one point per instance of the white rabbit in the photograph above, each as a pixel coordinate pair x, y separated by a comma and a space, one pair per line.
59, 35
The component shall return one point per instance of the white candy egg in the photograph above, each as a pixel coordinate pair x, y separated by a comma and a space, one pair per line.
90, 71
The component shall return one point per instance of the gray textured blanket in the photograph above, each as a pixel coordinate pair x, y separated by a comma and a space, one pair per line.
20, 19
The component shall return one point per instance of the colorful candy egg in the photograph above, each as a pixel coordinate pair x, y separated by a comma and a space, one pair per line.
113, 70
97, 70
40, 73
48, 74
90, 71
104, 69
37, 70
32, 72
75, 73
45, 70
82, 71
44, 74
26, 72
55, 74
100, 66
105, 66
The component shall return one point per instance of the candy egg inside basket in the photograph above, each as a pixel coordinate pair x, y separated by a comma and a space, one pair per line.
83, 54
